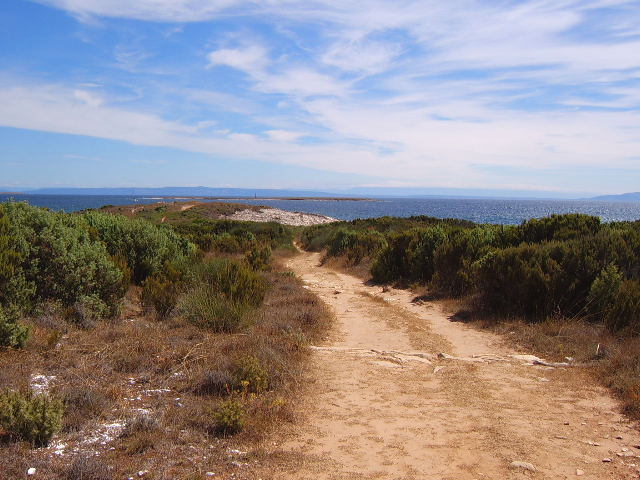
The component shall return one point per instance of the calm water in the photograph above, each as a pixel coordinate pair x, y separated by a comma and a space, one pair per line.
477, 210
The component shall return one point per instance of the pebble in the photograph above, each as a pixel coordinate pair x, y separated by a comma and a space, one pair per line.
31, 471
579, 472
523, 465
142, 473
607, 460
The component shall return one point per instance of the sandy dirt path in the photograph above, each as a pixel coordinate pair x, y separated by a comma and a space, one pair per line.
384, 405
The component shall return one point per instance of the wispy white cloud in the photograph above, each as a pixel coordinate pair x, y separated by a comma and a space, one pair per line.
284, 135
252, 59
84, 157
436, 93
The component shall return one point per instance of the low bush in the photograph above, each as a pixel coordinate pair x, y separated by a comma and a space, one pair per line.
34, 418
234, 280
250, 376
206, 307
162, 290
229, 417
88, 468
82, 404
624, 316
258, 258
12, 332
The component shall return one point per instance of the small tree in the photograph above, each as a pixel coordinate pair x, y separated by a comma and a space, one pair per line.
32, 417
12, 333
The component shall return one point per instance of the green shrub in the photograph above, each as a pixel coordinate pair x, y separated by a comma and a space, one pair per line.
558, 227
624, 316
12, 333
250, 376
603, 292
32, 417
409, 256
61, 259
205, 306
9, 258
146, 247
234, 280
229, 417
258, 258
223, 295
453, 259
162, 290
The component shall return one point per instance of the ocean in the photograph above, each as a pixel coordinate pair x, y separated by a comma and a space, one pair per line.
495, 211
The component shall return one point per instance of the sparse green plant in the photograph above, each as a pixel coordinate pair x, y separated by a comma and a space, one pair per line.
229, 417
249, 376
31, 417
141, 433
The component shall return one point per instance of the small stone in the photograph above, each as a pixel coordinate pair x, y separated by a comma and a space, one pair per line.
607, 460
579, 472
566, 423
524, 465
142, 473
31, 471
210, 474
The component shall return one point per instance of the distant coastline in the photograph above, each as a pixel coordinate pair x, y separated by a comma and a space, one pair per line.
208, 193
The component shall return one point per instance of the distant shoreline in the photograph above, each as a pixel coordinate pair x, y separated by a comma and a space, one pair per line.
222, 199
201, 197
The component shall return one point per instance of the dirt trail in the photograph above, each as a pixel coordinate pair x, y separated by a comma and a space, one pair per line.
384, 405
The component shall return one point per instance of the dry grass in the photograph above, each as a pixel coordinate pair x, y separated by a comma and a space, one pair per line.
141, 393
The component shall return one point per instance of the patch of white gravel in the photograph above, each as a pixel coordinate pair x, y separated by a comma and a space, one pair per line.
269, 214
41, 383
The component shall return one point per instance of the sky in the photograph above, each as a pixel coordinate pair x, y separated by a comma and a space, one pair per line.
538, 97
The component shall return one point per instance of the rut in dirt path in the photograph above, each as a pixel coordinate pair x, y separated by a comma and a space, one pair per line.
384, 405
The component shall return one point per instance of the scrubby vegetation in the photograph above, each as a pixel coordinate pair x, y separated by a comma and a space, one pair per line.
555, 271
564, 265
125, 342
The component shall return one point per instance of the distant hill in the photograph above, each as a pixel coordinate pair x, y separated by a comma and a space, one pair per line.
185, 192
625, 197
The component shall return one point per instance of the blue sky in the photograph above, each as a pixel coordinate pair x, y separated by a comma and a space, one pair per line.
519, 95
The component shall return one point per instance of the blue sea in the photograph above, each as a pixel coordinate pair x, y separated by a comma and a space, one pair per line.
496, 211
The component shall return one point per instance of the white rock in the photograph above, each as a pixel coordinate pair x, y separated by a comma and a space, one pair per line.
579, 472
31, 471
524, 465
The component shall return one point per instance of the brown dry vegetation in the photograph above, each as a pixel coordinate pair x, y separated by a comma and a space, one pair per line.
143, 394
